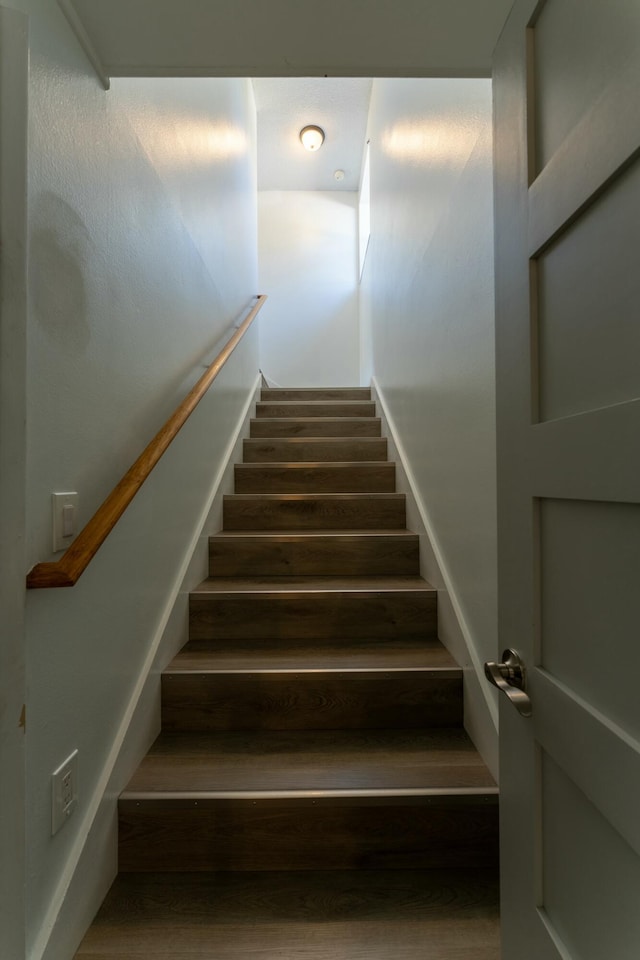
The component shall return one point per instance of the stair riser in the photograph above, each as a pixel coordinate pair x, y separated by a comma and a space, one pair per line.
312, 701
294, 409
315, 450
314, 393
409, 615
317, 427
313, 556
315, 513
308, 834
325, 478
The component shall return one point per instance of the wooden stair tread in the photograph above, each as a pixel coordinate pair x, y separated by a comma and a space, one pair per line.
314, 449
303, 585
305, 915
271, 427
315, 607
314, 553
299, 476
317, 464
338, 763
315, 393
303, 409
296, 442
198, 657
307, 511
341, 534
311, 497
304, 689
316, 404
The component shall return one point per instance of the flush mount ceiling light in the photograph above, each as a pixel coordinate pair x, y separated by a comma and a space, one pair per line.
312, 138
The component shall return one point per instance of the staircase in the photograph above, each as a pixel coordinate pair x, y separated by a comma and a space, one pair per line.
313, 793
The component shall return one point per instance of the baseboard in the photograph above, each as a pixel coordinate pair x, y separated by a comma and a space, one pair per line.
92, 864
481, 709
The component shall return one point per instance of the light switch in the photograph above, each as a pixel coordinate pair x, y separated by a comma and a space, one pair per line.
65, 512
68, 517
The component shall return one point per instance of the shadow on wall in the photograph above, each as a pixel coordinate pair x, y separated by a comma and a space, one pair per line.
60, 256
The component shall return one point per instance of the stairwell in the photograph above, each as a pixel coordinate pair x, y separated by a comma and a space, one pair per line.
313, 793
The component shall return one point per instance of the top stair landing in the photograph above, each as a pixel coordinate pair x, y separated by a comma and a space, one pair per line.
315, 412
315, 393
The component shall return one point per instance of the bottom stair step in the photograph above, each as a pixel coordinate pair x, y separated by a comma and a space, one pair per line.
309, 800
369, 915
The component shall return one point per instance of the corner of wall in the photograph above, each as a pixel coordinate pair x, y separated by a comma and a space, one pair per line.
480, 706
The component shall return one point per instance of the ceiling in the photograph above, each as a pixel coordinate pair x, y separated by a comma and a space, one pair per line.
279, 38
314, 41
285, 105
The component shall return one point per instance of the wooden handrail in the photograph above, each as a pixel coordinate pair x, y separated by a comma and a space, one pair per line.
66, 571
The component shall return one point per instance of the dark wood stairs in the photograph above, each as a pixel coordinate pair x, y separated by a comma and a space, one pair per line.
312, 747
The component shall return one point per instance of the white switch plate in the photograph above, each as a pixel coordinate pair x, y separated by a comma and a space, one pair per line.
64, 792
65, 512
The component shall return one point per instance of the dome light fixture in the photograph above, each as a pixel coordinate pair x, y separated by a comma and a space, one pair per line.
312, 137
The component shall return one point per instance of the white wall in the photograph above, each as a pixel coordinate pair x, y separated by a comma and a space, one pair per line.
142, 252
14, 74
308, 266
427, 318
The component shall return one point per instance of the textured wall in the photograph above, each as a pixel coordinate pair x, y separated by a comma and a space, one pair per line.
142, 252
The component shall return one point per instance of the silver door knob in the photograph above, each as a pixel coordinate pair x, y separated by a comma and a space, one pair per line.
510, 677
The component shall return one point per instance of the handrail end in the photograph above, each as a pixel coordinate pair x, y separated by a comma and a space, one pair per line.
49, 575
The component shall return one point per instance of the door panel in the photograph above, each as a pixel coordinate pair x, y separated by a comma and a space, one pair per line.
588, 456
567, 188
596, 149
588, 291
589, 563
595, 753
578, 45
581, 853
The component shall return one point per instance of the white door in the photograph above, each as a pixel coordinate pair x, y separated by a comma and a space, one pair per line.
567, 133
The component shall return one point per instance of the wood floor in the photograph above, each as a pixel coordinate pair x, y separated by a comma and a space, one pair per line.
342, 915
313, 793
